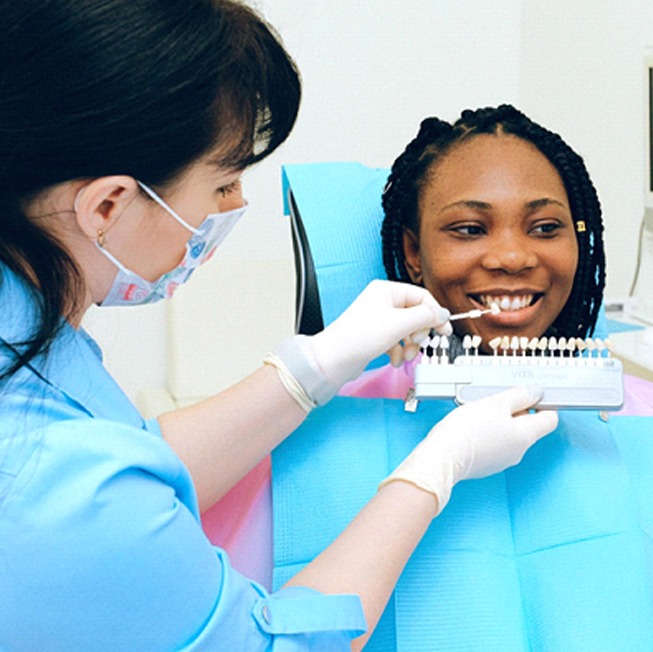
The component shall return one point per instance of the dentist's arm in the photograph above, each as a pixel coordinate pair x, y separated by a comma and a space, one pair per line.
222, 438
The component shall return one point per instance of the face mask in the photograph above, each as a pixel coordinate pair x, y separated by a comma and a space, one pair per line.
129, 288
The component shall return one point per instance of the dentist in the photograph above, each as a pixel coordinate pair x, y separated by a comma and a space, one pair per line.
125, 126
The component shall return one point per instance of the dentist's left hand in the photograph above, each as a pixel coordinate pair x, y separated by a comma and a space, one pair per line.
387, 317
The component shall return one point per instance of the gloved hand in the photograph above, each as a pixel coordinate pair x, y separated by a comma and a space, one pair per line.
383, 315
476, 440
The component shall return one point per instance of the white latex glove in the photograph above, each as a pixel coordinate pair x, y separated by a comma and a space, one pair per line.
384, 314
476, 440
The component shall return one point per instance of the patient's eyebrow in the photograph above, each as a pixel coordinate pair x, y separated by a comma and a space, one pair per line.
544, 201
468, 203
478, 205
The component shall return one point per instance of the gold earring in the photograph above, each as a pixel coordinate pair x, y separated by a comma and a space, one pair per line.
101, 238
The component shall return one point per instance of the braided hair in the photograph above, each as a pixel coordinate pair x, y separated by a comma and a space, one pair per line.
409, 175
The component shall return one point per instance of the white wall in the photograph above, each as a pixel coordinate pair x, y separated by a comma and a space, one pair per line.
582, 75
372, 70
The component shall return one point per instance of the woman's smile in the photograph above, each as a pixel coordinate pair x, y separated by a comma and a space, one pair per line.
516, 309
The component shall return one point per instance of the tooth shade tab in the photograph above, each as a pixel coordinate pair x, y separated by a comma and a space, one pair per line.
521, 349
591, 380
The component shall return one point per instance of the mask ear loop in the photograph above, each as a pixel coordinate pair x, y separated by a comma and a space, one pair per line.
165, 206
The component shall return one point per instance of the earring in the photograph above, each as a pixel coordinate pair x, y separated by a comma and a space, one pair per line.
101, 238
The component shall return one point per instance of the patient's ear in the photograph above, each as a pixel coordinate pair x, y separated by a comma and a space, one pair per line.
413, 256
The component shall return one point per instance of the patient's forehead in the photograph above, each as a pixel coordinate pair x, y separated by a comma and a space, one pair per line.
493, 168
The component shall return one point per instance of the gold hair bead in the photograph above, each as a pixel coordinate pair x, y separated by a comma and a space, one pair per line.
580, 226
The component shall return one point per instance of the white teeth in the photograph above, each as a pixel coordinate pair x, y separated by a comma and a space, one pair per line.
507, 303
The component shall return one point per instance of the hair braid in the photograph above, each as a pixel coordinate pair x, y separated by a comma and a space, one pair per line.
401, 193
436, 138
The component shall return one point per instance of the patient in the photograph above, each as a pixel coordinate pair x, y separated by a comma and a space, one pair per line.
555, 554
496, 209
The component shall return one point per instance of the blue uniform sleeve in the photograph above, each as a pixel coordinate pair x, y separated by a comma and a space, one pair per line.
101, 548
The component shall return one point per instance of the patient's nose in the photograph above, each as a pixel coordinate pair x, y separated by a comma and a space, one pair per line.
511, 253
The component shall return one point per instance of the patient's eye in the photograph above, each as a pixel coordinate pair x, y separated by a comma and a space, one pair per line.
468, 230
546, 229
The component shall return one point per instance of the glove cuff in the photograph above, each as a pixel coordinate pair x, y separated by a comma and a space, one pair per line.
437, 480
300, 372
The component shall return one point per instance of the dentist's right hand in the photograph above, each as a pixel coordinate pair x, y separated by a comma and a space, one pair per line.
386, 317
476, 440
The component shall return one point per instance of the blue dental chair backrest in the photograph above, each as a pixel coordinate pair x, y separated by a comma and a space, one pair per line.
336, 214
335, 211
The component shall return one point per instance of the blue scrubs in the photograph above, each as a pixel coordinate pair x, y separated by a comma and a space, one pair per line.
100, 542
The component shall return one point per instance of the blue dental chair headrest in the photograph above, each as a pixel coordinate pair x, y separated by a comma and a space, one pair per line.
336, 215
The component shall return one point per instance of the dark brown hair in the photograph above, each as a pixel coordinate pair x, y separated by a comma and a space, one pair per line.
138, 87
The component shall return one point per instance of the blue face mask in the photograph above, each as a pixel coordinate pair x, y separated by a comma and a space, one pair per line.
129, 289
